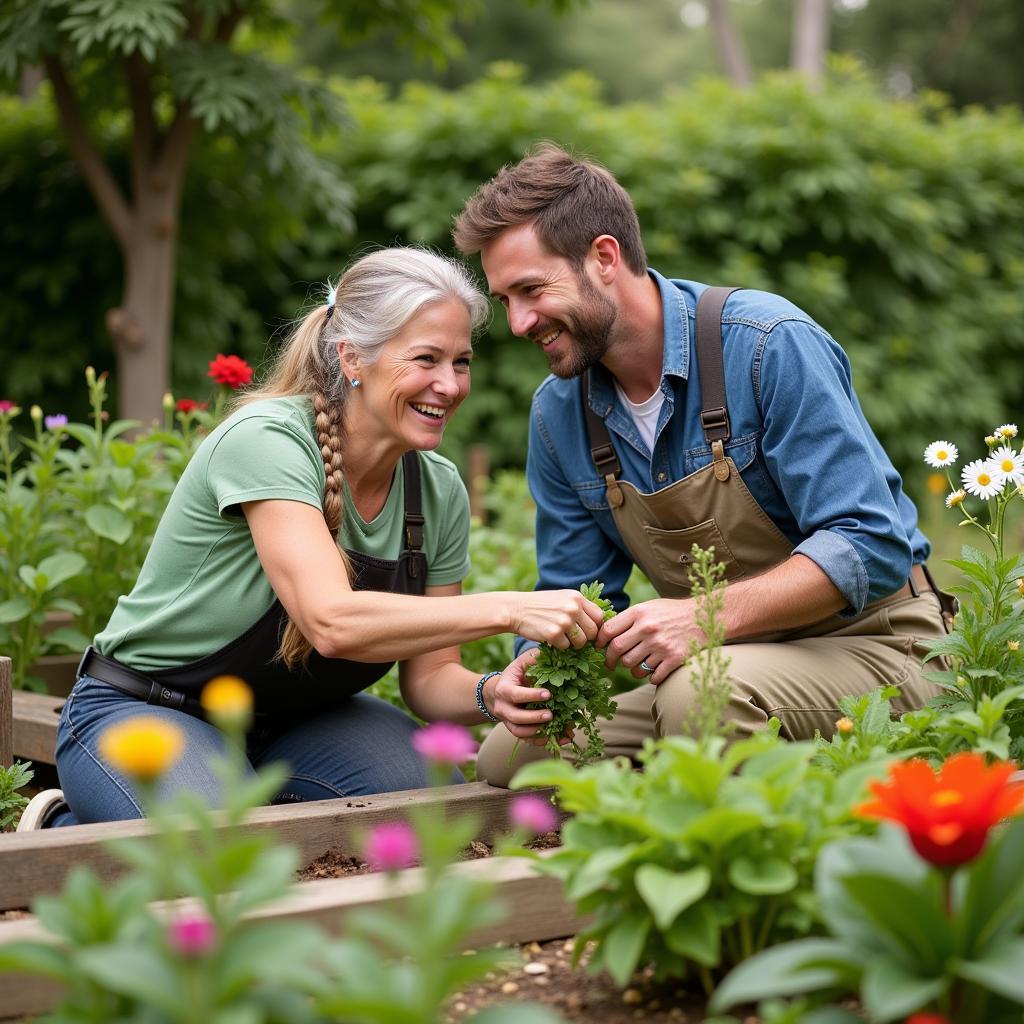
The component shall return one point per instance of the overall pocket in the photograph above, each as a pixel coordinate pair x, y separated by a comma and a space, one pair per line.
672, 550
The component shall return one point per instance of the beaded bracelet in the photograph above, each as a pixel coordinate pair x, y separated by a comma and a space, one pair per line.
480, 697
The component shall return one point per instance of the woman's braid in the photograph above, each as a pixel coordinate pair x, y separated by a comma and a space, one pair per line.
328, 432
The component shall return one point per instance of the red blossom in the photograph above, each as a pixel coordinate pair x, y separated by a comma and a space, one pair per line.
187, 405
6, 405
947, 816
928, 1018
233, 371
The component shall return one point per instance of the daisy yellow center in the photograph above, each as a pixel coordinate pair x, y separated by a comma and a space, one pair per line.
941, 455
946, 798
984, 479
1006, 465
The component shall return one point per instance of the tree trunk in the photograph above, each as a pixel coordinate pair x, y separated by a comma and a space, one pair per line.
141, 325
730, 46
810, 39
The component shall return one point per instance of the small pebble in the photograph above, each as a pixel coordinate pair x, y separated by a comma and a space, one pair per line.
569, 945
461, 1007
535, 968
509, 987
632, 996
533, 948
541, 980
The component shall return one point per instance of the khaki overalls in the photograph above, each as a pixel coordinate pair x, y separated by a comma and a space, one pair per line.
797, 676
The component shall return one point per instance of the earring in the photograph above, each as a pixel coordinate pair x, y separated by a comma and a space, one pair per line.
355, 382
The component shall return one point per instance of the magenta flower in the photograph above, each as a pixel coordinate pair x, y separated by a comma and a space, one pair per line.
56, 421
533, 813
194, 935
392, 846
444, 742
7, 406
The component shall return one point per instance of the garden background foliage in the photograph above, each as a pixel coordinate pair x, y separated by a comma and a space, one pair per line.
898, 225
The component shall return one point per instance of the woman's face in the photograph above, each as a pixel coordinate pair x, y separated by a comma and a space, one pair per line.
419, 380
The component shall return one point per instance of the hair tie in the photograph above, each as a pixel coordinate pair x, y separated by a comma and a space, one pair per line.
332, 294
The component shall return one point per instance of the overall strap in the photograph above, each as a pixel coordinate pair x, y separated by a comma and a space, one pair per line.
714, 414
414, 519
601, 449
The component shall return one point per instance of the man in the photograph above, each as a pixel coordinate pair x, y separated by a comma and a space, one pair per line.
641, 445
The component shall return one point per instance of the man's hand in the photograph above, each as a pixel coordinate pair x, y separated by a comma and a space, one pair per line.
657, 632
512, 689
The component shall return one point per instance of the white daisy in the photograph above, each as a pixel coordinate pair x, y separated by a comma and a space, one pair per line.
955, 498
940, 454
1007, 430
981, 479
1009, 463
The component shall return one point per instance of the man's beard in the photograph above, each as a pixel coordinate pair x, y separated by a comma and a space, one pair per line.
590, 325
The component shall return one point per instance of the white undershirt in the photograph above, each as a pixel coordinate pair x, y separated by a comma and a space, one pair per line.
645, 413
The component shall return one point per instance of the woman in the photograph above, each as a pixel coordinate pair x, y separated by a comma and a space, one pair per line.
313, 540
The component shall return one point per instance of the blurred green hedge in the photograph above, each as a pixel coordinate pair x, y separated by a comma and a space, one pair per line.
898, 225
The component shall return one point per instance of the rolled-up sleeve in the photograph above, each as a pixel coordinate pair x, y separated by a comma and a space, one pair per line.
825, 460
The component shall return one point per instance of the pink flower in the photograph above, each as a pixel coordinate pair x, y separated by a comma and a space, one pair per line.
192, 936
444, 742
534, 813
392, 846
6, 406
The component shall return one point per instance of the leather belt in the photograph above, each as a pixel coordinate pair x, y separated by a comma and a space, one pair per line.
134, 683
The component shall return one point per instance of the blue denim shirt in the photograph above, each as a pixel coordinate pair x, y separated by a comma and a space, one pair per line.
798, 438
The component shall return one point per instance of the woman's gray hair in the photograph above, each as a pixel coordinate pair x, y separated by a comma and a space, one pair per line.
381, 292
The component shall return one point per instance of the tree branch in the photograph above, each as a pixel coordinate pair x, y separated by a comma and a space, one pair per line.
730, 46
100, 181
810, 39
227, 25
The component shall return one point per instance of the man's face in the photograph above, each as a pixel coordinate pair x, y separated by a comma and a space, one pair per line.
548, 301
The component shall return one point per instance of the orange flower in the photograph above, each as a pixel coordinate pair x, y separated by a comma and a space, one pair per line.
143, 746
228, 702
844, 726
947, 816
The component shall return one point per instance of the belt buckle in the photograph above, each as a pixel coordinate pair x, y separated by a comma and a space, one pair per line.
79, 672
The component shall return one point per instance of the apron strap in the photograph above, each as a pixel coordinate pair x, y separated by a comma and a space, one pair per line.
714, 414
414, 519
601, 449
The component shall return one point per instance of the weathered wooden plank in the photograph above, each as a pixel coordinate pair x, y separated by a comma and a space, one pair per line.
6, 714
32, 863
35, 717
537, 908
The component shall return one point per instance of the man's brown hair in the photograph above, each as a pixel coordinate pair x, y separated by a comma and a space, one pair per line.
570, 202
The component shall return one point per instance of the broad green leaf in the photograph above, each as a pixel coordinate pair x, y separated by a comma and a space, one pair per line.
622, 946
134, 971
521, 1013
767, 877
60, 567
890, 992
993, 898
668, 893
1000, 970
106, 521
69, 638
806, 965
14, 610
598, 871
696, 934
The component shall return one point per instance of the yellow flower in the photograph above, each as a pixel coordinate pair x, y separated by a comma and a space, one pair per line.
227, 700
955, 498
143, 747
991, 440
1020, 587
1013, 645
168, 400
936, 483
845, 726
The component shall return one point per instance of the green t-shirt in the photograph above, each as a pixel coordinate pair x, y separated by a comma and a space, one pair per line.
202, 584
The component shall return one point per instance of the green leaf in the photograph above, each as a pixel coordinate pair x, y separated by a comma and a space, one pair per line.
767, 877
521, 1013
60, 567
67, 637
14, 610
106, 521
134, 971
622, 946
696, 934
890, 992
597, 871
668, 893
806, 965
1000, 970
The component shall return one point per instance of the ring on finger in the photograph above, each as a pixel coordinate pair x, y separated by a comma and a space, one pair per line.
645, 667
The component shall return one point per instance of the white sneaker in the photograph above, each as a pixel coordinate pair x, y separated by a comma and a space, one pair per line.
41, 808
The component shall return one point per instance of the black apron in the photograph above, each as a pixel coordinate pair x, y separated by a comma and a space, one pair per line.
315, 685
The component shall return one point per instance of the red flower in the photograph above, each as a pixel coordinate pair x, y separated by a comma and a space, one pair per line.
947, 816
233, 371
928, 1018
189, 404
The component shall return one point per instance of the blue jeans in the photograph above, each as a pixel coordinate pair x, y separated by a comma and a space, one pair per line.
362, 747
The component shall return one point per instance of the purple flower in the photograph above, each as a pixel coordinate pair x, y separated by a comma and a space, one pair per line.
193, 935
444, 742
533, 813
56, 421
392, 846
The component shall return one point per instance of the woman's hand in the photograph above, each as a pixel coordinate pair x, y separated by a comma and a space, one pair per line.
561, 618
505, 695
